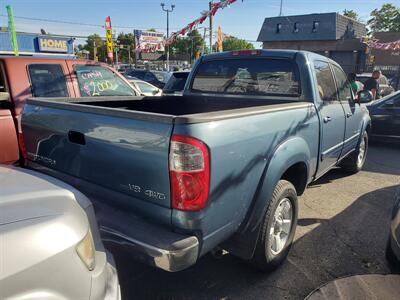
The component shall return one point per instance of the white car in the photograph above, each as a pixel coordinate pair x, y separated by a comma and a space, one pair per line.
145, 88
50, 246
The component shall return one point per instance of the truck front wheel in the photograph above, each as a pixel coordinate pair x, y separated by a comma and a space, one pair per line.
278, 228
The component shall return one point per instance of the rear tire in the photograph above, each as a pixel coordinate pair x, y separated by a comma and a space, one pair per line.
276, 234
356, 160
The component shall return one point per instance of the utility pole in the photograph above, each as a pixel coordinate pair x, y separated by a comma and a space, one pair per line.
204, 39
167, 11
211, 27
94, 51
129, 54
280, 11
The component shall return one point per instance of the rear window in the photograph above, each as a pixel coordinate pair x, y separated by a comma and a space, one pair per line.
248, 76
47, 80
100, 81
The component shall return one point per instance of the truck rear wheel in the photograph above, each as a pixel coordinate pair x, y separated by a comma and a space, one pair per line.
355, 161
278, 228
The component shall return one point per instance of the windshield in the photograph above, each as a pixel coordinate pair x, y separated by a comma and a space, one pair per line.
100, 81
248, 76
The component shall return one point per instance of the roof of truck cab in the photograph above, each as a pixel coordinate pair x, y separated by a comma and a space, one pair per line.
28, 59
261, 52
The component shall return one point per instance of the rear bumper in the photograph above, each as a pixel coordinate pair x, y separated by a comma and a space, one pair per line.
163, 249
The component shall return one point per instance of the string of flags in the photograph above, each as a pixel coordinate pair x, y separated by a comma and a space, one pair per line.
375, 44
204, 15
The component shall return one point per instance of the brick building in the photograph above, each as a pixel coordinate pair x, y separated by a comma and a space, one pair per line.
329, 34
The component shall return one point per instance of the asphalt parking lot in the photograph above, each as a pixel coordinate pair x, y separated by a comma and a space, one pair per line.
343, 228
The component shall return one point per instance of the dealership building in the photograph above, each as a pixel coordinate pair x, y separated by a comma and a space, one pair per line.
37, 44
329, 34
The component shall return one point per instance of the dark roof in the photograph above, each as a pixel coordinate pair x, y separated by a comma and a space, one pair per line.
330, 26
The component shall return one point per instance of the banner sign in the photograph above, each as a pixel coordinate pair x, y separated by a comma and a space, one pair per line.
375, 44
109, 39
11, 29
149, 41
204, 15
53, 45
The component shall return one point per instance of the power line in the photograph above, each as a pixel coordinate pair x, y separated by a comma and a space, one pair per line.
78, 23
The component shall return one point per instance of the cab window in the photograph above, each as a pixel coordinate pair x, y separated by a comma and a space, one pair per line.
326, 84
47, 80
100, 81
343, 86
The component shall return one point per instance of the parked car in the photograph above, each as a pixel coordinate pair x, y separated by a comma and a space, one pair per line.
51, 247
24, 77
176, 83
219, 167
145, 88
384, 86
393, 246
146, 75
385, 115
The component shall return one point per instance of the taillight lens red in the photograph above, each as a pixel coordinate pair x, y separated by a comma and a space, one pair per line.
189, 166
246, 52
22, 145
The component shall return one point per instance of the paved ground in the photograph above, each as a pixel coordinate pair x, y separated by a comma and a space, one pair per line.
343, 228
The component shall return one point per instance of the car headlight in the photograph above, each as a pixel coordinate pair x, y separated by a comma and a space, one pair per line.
85, 250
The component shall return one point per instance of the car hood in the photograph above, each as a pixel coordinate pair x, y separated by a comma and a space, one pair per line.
27, 195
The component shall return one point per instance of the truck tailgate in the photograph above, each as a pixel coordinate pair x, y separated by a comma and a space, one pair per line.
119, 152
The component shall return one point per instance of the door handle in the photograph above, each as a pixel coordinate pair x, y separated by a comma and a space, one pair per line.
76, 137
348, 115
327, 119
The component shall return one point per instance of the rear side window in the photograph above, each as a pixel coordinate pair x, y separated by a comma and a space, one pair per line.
248, 76
48, 80
100, 81
325, 83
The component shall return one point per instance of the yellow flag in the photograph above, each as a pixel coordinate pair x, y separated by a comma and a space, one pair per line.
220, 39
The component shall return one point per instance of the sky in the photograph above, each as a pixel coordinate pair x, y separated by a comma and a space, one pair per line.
242, 19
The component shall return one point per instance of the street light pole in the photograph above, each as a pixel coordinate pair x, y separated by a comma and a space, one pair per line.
167, 11
280, 11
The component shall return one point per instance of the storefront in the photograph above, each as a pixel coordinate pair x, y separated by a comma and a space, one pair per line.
37, 45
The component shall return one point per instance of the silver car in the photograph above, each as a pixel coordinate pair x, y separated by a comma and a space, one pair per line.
393, 248
50, 246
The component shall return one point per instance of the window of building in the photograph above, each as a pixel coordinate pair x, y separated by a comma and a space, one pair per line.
278, 27
296, 27
325, 81
48, 80
315, 26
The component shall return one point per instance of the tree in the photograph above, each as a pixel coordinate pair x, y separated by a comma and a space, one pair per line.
350, 14
190, 44
387, 18
94, 41
233, 43
126, 42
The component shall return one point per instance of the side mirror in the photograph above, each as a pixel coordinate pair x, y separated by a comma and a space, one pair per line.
365, 97
155, 92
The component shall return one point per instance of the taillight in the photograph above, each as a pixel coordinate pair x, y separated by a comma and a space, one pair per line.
246, 52
189, 166
22, 145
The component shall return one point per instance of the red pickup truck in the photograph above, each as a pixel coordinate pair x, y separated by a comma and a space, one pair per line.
25, 77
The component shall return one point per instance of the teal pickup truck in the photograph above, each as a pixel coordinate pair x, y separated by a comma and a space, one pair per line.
221, 167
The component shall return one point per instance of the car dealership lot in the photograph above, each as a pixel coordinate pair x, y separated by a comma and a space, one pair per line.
343, 229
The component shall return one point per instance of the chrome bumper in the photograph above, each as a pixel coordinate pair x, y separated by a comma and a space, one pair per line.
163, 249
